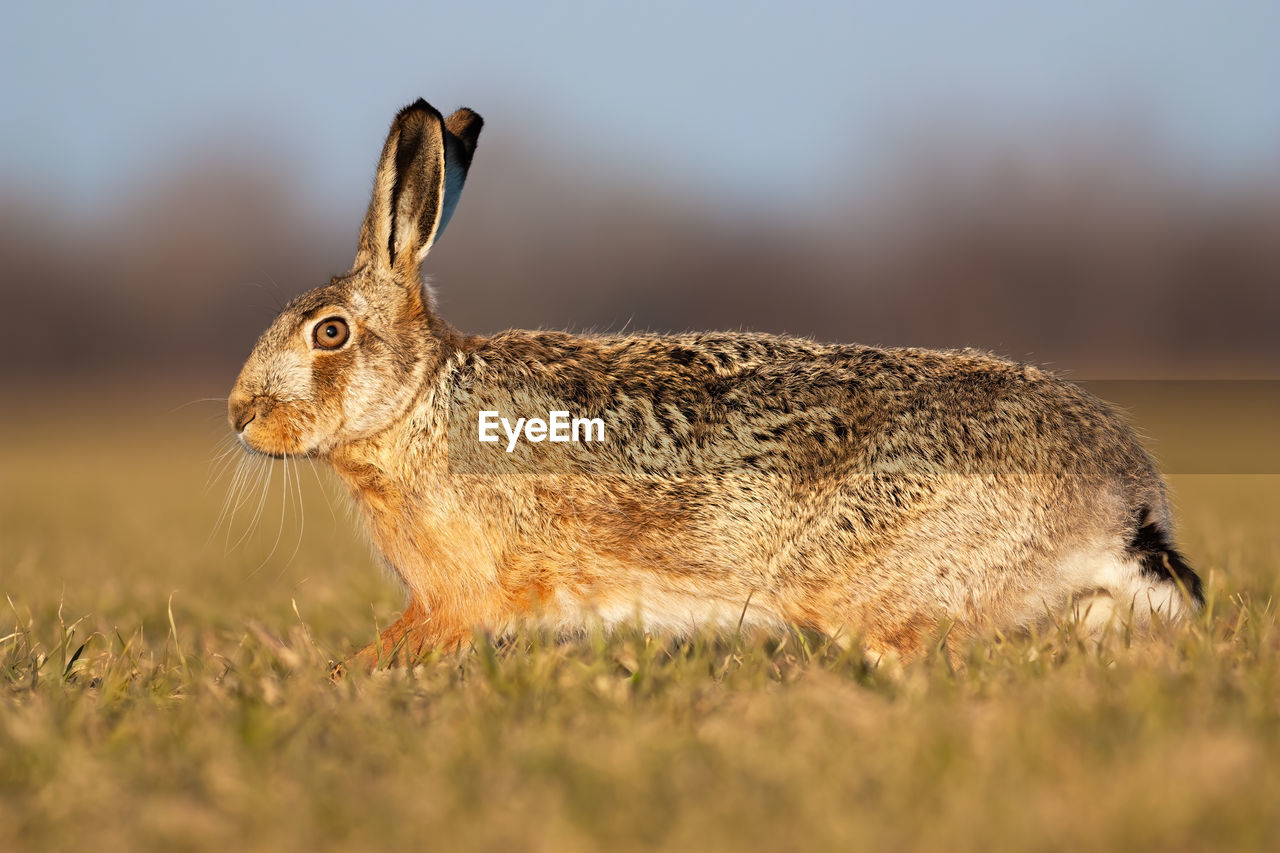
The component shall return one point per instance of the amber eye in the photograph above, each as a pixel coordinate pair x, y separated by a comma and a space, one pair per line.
332, 333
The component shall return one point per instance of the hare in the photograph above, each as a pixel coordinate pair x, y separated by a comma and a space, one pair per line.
738, 479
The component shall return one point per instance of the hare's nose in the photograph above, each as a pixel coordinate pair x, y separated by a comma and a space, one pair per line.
241, 410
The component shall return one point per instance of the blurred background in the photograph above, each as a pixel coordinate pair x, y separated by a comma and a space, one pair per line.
1094, 186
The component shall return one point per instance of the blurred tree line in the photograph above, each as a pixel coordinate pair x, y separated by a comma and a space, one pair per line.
1105, 262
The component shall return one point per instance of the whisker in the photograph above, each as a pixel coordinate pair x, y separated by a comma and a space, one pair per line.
268, 470
262, 482
222, 400
323, 489
302, 509
220, 447
274, 285
251, 468
225, 445
219, 469
229, 499
219, 465
284, 502
274, 297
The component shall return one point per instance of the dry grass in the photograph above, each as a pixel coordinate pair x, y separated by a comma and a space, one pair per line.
162, 690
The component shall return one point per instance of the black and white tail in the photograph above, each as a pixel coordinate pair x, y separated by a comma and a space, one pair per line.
1160, 561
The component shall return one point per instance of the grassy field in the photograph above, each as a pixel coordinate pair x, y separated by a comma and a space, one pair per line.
164, 685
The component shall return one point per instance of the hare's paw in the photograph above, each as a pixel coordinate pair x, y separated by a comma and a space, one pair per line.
405, 642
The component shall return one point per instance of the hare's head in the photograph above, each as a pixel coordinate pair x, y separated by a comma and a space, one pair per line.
343, 361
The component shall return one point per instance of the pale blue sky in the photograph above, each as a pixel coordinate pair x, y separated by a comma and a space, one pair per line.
777, 96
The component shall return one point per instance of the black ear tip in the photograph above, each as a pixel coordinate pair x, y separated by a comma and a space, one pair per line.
419, 106
465, 124
468, 116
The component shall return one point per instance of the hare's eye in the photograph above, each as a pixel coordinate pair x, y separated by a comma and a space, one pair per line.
332, 333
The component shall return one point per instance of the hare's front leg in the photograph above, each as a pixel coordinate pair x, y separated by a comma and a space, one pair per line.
414, 633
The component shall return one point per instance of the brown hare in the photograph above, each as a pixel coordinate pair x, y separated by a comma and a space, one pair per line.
721, 479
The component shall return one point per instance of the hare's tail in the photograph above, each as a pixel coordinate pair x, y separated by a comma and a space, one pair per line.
1159, 560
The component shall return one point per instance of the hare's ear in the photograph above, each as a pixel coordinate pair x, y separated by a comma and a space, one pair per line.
414, 192
461, 130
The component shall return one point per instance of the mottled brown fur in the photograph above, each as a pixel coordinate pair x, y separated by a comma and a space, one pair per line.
750, 478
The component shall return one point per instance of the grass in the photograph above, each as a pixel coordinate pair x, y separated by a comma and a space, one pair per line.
162, 688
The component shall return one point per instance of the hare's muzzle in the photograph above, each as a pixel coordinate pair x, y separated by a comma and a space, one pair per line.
266, 425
